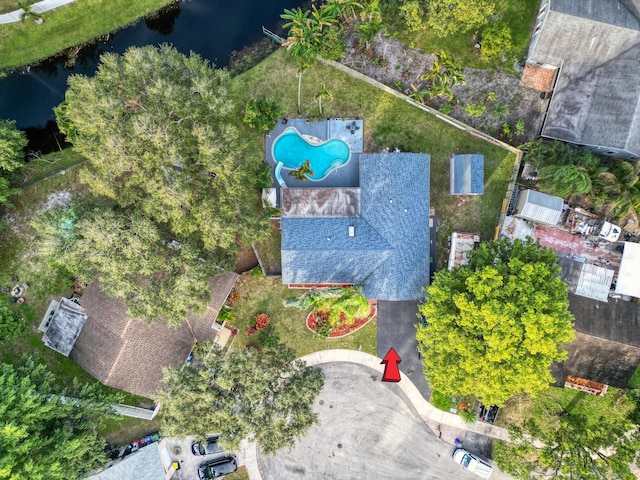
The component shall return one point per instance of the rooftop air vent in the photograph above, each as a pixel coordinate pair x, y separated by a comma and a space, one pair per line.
352, 231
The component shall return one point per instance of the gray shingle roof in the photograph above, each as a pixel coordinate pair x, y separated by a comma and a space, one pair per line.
389, 253
64, 325
596, 44
467, 174
145, 464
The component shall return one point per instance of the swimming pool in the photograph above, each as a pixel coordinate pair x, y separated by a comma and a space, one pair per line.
291, 150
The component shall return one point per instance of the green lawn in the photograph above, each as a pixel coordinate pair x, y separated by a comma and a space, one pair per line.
391, 122
7, 6
265, 295
24, 43
518, 14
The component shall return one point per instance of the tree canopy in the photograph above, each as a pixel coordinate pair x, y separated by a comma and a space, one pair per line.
264, 395
588, 437
161, 134
43, 435
11, 324
495, 325
12, 143
133, 257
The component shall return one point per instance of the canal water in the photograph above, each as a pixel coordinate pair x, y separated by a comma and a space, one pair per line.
211, 28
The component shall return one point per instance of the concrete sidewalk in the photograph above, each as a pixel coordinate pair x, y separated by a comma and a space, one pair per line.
40, 7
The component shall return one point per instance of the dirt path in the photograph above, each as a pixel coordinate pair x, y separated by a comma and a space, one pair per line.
505, 98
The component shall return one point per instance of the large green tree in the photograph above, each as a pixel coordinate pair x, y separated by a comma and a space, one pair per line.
495, 325
43, 435
265, 395
162, 137
12, 144
446, 17
587, 438
157, 273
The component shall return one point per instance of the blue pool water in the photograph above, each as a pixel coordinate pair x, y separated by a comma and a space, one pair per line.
291, 149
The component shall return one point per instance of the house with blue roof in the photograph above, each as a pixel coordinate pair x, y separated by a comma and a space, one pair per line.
467, 174
375, 235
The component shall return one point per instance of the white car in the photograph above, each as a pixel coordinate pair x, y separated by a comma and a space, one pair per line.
472, 462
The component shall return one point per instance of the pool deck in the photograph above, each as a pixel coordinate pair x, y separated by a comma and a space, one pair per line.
346, 176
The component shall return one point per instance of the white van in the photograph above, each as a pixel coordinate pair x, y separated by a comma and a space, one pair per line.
472, 463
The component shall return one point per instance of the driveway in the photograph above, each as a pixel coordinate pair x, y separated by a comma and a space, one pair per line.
366, 430
396, 328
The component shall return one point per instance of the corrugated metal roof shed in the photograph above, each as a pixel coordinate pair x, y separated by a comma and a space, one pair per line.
467, 174
594, 282
461, 244
539, 207
628, 282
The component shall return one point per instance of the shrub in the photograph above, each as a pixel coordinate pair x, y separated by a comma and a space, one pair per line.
467, 413
520, 127
234, 296
496, 41
262, 321
445, 108
412, 16
262, 113
475, 110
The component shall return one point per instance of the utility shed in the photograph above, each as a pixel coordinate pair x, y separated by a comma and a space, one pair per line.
62, 324
461, 244
539, 207
467, 174
628, 282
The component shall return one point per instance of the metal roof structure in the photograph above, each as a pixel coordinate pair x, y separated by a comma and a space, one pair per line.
62, 325
595, 47
628, 282
594, 282
467, 174
461, 245
539, 207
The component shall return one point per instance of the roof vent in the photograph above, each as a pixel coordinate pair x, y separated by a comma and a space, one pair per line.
352, 231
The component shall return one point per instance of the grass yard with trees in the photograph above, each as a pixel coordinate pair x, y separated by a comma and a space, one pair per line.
584, 436
24, 43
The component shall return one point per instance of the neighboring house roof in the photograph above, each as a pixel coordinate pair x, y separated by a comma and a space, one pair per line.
628, 282
386, 251
539, 207
587, 280
596, 45
129, 354
467, 174
145, 464
62, 324
598, 105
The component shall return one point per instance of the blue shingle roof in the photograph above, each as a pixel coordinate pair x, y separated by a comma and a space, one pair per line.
389, 253
467, 174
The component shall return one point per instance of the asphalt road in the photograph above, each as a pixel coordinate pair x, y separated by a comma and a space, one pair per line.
366, 431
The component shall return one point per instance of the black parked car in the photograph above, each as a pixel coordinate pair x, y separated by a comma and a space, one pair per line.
218, 467
202, 448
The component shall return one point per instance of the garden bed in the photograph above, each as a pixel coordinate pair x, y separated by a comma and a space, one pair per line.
316, 320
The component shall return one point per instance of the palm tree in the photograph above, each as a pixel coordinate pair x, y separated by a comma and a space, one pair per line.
565, 180
323, 93
303, 171
620, 190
